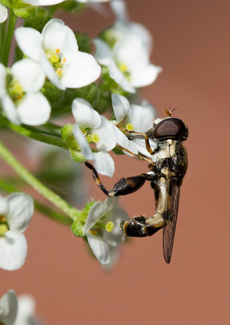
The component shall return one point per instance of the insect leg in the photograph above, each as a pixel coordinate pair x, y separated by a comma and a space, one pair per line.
124, 186
141, 226
147, 144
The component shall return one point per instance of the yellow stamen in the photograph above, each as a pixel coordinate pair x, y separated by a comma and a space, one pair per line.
3, 229
63, 60
109, 226
57, 50
95, 138
123, 67
58, 72
129, 127
54, 58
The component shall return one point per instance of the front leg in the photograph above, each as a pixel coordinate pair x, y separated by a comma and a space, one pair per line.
124, 186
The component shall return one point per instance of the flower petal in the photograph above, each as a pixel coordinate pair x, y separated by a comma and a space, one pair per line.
141, 146
99, 248
121, 106
26, 310
20, 211
3, 206
103, 53
119, 77
80, 69
107, 139
10, 109
141, 118
81, 140
116, 236
3, 13
44, 2
58, 36
120, 10
8, 308
13, 250
29, 74
50, 72
98, 210
123, 141
84, 114
30, 42
146, 76
34, 109
104, 163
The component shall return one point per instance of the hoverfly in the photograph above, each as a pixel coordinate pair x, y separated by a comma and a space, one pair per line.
168, 165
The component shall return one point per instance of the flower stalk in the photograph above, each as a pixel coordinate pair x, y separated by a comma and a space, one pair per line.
8, 37
36, 184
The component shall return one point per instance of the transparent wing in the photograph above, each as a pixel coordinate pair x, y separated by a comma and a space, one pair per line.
170, 221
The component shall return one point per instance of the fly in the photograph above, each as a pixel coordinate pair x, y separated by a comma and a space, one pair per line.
168, 165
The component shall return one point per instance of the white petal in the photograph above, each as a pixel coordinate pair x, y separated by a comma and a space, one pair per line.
130, 51
20, 211
111, 202
99, 248
104, 163
116, 236
81, 140
30, 42
84, 114
29, 74
13, 250
8, 308
143, 33
120, 10
80, 69
44, 2
146, 76
123, 141
34, 109
121, 106
10, 110
141, 147
98, 210
26, 310
2, 80
50, 72
119, 77
103, 53
3, 13
57, 36
141, 118
3, 206
114, 258
107, 139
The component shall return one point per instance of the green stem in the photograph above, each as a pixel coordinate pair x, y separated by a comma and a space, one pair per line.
33, 135
38, 186
44, 210
2, 37
9, 34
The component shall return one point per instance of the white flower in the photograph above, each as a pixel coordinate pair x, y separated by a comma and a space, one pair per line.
3, 13
123, 25
17, 310
137, 118
43, 2
8, 308
16, 211
105, 246
19, 93
95, 1
98, 130
127, 62
56, 50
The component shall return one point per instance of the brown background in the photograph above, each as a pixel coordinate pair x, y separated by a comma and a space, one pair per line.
191, 43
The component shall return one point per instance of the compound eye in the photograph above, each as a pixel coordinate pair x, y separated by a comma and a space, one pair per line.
171, 128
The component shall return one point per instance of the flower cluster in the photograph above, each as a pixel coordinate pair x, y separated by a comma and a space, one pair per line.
58, 91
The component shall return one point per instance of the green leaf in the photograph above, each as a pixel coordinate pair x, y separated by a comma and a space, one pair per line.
26, 12
89, 93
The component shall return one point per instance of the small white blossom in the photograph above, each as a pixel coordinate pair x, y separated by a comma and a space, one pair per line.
8, 308
137, 118
17, 310
3, 13
56, 50
16, 210
19, 93
105, 246
127, 62
96, 129
43, 2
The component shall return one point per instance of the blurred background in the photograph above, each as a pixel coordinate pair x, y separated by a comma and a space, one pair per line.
192, 44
